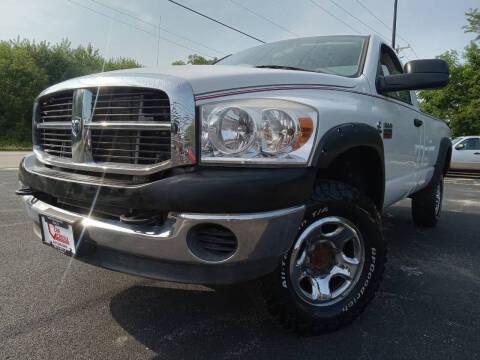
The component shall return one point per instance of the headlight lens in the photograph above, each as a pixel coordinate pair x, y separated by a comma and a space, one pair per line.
257, 131
231, 130
280, 131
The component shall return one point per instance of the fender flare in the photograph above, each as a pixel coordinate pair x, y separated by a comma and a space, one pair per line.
344, 137
442, 165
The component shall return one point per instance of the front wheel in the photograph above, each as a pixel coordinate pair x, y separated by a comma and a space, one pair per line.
334, 266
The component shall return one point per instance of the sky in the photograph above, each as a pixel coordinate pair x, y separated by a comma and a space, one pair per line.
430, 27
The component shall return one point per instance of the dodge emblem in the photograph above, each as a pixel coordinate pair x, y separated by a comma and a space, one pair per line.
76, 127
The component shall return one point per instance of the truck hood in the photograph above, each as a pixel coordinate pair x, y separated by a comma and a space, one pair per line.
213, 78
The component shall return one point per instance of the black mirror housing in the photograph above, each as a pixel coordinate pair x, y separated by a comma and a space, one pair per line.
428, 66
419, 75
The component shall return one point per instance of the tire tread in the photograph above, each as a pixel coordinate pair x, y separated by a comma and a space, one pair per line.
278, 309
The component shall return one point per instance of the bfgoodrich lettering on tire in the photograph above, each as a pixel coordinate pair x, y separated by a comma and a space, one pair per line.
334, 267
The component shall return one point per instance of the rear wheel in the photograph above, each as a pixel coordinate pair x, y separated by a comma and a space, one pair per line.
427, 204
333, 268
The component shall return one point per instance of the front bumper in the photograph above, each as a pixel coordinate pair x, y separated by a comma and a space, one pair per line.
193, 190
161, 251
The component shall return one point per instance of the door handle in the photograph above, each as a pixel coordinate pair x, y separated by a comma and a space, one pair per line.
477, 153
418, 122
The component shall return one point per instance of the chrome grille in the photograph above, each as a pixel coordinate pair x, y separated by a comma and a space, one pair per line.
128, 125
53, 109
131, 146
57, 107
130, 104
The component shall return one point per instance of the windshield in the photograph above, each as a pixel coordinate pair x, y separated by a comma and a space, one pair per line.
338, 55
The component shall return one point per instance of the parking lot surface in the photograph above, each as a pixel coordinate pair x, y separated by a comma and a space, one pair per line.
9, 159
53, 307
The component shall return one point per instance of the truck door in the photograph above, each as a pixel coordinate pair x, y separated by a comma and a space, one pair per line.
402, 131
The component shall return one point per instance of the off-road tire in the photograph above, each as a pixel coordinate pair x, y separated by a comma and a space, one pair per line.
425, 207
287, 309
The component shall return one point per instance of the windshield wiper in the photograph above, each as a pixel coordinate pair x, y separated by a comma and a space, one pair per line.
281, 67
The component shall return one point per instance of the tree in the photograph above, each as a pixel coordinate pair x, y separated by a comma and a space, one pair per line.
459, 102
195, 59
62, 62
21, 79
26, 68
473, 18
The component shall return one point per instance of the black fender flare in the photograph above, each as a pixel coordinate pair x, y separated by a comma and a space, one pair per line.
344, 137
442, 164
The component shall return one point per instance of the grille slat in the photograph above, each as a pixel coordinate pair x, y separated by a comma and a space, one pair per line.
67, 116
160, 137
101, 101
55, 146
130, 107
47, 106
127, 143
103, 93
130, 151
127, 114
123, 157
56, 134
47, 112
115, 135
47, 140
60, 152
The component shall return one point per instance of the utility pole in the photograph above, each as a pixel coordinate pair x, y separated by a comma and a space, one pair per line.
158, 40
394, 28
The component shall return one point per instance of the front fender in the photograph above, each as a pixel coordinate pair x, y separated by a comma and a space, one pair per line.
348, 136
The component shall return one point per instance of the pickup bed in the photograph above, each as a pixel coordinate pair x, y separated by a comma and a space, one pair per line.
272, 166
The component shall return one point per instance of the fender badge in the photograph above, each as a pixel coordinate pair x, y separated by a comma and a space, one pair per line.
387, 130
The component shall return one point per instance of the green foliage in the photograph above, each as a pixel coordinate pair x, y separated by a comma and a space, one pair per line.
195, 60
26, 68
473, 18
21, 79
459, 101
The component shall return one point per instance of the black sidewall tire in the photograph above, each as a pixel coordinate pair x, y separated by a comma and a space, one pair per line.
362, 213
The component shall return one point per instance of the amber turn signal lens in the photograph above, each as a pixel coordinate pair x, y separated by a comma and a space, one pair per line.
306, 130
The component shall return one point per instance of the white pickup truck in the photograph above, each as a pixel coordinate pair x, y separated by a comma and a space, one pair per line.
272, 165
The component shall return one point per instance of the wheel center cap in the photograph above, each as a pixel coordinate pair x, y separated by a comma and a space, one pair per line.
321, 257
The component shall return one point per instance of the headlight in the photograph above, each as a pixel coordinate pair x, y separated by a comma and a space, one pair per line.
257, 131
231, 130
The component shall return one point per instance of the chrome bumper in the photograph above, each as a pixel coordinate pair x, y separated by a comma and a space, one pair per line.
260, 235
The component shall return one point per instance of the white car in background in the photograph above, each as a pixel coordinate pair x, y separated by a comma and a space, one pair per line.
466, 153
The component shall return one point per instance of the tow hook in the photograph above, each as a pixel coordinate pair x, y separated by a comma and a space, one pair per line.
25, 191
137, 220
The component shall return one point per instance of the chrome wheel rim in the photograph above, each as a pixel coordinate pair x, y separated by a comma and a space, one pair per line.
326, 261
438, 199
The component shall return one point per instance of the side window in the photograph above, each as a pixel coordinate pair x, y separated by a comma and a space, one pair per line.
470, 144
389, 65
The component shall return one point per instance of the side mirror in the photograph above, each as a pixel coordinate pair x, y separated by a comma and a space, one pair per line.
460, 147
419, 75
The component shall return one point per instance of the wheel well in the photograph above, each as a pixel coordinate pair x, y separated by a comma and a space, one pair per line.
361, 167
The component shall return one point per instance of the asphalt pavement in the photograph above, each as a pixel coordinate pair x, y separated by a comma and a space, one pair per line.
9, 159
53, 307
